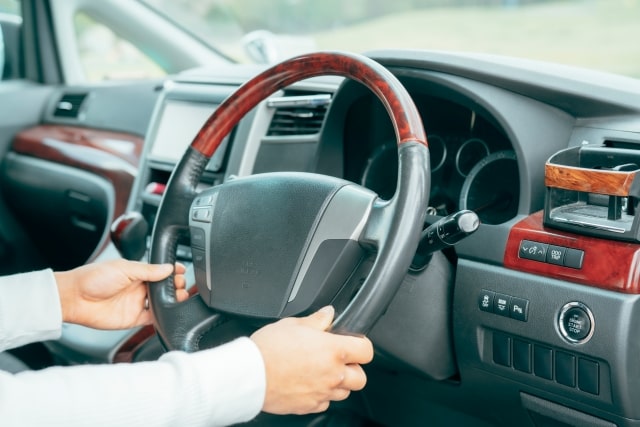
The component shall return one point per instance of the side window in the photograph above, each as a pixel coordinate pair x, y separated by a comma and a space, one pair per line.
10, 24
106, 56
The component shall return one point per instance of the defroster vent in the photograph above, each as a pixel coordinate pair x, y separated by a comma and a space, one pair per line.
297, 115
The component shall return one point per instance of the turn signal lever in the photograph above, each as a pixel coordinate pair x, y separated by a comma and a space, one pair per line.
444, 233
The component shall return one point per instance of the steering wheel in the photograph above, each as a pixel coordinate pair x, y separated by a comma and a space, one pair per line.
281, 244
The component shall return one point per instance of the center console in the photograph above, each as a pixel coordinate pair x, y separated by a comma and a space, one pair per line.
551, 325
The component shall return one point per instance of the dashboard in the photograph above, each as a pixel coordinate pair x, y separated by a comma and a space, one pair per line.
526, 321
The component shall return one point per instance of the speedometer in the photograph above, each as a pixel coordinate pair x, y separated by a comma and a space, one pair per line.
492, 188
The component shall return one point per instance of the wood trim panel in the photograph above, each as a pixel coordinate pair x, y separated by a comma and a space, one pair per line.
613, 183
128, 349
112, 155
399, 104
607, 264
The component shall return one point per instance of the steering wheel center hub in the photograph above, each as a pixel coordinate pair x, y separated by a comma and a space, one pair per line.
259, 241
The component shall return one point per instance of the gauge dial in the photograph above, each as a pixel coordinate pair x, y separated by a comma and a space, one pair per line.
469, 154
492, 188
437, 151
381, 172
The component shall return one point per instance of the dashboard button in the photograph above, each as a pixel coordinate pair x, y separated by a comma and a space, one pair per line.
589, 376
576, 322
501, 349
556, 254
518, 309
565, 369
533, 250
573, 258
501, 304
542, 362
522, 356
485, 300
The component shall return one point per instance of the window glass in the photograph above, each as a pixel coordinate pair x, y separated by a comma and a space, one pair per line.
106, 56
10, 6
598, 34
10, 21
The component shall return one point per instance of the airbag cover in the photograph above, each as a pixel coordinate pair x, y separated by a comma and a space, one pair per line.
259, 231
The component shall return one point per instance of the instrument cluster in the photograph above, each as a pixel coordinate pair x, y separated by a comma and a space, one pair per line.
473, 164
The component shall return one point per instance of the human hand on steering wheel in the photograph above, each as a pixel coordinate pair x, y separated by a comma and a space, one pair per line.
112, 294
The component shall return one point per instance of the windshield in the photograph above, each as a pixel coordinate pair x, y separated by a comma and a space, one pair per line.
598, 34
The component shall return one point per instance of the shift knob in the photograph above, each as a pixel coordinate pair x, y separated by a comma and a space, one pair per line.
129, 235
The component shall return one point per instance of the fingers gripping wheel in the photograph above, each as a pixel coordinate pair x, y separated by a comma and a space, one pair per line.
257, 241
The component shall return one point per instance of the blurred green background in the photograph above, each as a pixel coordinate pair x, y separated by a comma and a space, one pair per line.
599, 34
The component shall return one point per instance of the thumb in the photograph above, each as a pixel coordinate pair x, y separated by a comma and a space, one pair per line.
321, 319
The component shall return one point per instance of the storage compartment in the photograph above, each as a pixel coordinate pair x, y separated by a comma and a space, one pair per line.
66, 211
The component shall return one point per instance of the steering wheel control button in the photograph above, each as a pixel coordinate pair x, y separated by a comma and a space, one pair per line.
556, 254
203, 201
198, 237
202, 214
485, 301
200, 265
573, 258
501, 304
589, 376
543, 362
501, 349
576, 322
565, 369
535, 251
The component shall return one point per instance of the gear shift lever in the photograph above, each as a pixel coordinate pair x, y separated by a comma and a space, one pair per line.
129, 235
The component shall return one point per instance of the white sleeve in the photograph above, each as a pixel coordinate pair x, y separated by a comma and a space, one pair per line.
214, 387
29, 309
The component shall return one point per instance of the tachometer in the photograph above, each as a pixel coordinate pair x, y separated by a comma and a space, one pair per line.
492, 188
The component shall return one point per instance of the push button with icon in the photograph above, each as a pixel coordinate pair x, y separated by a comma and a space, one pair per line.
503, 305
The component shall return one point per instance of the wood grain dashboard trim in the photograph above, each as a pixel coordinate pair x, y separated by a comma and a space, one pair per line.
607, 264
112, 155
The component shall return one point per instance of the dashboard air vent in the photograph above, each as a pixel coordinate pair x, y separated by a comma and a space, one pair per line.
69, 105
298, 115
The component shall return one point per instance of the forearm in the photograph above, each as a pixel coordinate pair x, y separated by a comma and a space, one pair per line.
216, 387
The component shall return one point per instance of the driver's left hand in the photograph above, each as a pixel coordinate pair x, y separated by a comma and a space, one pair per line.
111, 294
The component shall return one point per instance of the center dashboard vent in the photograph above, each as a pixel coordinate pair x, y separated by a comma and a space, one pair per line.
298, 115
69, 105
